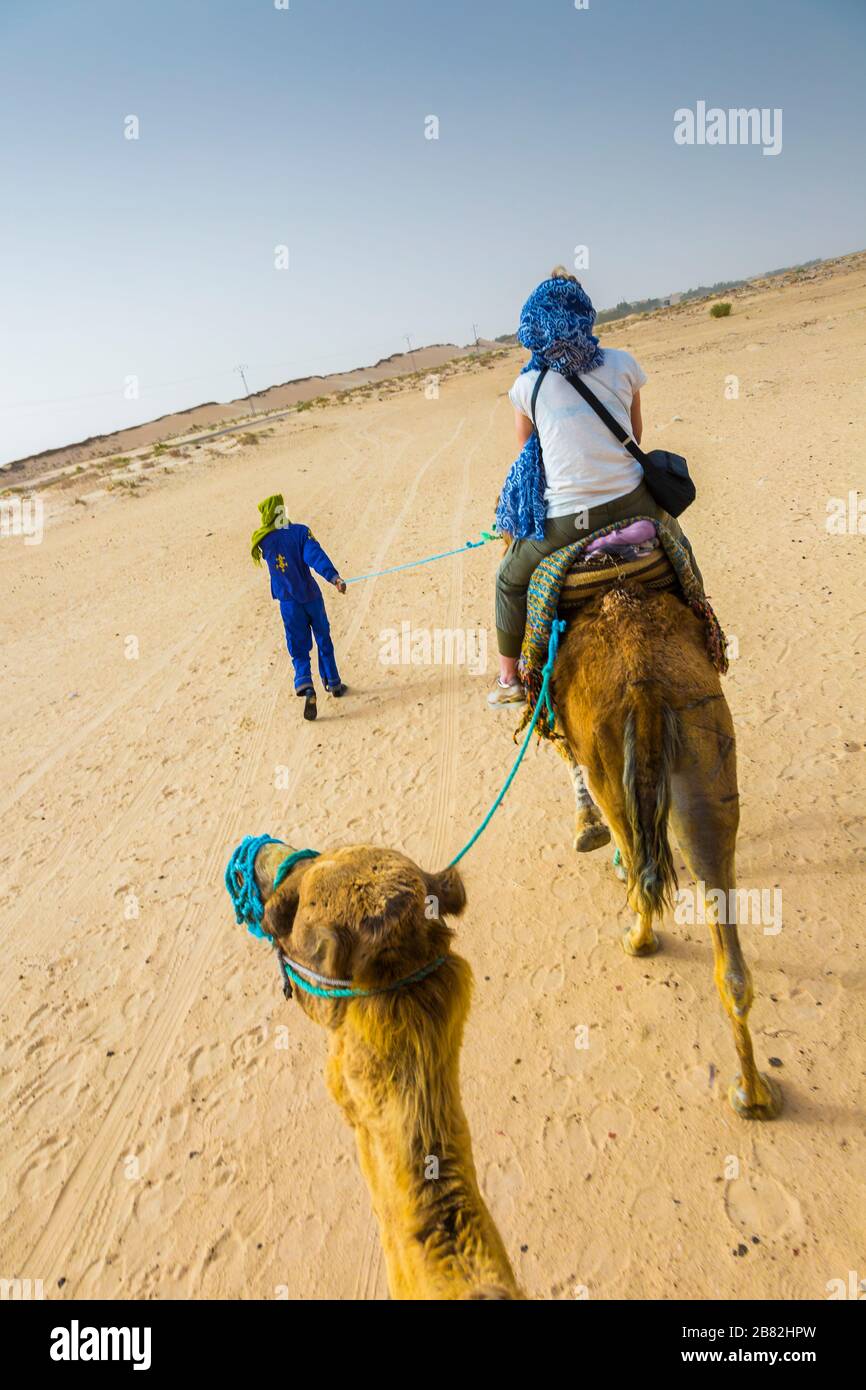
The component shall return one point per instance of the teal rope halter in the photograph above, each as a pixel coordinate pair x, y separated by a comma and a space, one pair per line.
240, 880
344, 989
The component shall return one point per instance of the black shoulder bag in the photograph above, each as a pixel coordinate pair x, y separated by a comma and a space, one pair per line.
665, 474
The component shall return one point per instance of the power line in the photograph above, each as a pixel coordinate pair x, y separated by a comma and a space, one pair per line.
244, 368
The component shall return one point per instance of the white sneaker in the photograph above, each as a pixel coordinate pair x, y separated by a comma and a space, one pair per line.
511, 694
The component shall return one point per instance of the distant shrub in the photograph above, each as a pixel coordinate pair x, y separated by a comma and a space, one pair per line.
248, 438
720, 311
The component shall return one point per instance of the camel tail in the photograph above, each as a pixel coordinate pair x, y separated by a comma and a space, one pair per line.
650, 745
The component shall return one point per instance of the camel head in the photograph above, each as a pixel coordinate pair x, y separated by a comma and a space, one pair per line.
362, 914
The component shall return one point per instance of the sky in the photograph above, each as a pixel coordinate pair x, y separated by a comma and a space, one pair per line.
305, 127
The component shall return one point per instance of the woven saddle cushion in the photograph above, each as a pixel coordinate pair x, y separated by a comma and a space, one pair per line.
586, 581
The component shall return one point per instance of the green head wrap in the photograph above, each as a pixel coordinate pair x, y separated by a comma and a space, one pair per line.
273, 514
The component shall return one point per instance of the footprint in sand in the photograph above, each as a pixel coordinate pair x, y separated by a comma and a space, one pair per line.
247, 1050
570, 1136
610, 1126
157, 1202
503, 1184
205, 1060
757, 1204
548, 979
696, 1085
599, 1263
580, 1061
580, 942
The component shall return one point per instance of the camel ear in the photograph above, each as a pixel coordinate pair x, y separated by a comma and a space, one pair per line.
282, 904
280, 910
447, 888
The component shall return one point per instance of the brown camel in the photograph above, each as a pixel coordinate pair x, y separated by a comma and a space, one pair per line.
373, 917
642, 710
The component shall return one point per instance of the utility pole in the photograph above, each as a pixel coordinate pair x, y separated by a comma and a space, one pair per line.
244, 368
411, 350
475, 331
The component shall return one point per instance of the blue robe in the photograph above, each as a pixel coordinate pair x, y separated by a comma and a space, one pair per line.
290, 552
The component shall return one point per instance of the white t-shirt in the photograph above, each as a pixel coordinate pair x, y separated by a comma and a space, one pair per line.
584, 463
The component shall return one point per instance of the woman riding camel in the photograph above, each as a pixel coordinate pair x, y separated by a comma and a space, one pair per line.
588, 480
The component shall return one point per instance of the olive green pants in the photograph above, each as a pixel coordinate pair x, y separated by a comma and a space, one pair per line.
521, 557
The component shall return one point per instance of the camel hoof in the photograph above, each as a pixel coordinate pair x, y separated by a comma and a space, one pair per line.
765, 1109
591, 837
590, 831
646, 948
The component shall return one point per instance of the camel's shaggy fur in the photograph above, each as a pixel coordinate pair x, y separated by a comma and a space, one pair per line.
372, 916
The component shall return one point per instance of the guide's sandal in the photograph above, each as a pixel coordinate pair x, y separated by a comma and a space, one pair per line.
310, 707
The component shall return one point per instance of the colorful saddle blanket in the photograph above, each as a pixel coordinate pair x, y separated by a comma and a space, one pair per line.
565, 579
599, 572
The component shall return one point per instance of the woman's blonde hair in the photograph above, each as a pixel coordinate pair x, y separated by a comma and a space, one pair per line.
559, 272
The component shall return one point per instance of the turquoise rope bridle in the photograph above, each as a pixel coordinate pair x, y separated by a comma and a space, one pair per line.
243, 890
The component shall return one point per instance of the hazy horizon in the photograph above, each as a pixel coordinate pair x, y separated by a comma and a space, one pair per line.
154, 258
360, 366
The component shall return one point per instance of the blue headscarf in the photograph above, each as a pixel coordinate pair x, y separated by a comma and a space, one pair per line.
556, 324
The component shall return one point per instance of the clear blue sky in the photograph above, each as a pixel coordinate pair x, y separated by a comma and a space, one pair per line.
305, 127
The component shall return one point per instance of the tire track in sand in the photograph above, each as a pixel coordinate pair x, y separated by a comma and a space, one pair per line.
370, 1282
449, 723
86, 848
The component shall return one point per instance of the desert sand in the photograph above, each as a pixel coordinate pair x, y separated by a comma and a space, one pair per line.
167, 1130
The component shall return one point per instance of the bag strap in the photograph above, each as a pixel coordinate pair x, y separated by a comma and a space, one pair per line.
604, 414
535, 390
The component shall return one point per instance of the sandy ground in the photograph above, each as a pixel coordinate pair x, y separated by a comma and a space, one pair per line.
168, 1132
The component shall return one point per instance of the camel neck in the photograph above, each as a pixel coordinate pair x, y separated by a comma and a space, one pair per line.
415, 1152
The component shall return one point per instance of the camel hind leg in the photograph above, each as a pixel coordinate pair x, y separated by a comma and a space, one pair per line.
754, 1095
705, 815
590, 831
605, 779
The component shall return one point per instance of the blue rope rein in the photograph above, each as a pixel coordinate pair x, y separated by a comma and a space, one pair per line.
240, 876
428, 559
556, 631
